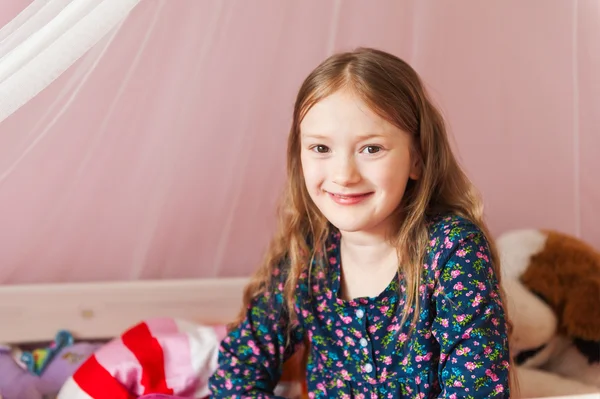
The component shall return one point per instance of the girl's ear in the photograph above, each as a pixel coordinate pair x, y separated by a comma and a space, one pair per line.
416, 166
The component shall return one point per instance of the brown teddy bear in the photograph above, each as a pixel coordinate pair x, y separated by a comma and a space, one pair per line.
553, 285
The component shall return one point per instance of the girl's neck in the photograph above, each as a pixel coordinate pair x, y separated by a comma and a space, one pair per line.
368, 265
370, 251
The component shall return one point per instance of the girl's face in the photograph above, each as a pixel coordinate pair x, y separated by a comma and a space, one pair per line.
355, 163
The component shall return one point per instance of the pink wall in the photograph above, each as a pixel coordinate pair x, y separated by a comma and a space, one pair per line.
166, 160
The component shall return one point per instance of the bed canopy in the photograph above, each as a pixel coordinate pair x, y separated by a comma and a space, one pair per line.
145, 139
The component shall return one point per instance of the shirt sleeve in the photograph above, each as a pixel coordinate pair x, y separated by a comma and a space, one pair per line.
251, 356
470, 323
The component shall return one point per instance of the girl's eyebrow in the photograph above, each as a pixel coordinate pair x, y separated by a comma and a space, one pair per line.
362, 137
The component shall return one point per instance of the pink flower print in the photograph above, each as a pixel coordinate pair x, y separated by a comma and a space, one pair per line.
427, 357
460, 318
461, 253
228, 384
455, 273
491, 374
421, 395
402, 337
321, 275
332, 260
321, 387
481, 286
387, 360
328, 294
373, 329
447, 243
418, 379
487, 350
418, 358
349, 341
470, 366
346, 353
252, 345
393, 327
339, 383
444, 322
345, 375
347, 319
482, 256
405, 361
384, 374
499, 388
457, 383
453, 396
360, 396
384, 309
339, 333
458, 286
467, 333
432, 243
311, 395
321, 307
373, 395
477, 300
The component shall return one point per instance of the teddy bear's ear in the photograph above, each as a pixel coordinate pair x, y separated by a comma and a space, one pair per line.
581, 318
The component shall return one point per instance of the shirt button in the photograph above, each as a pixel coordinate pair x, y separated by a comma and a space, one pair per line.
368, 367
363, 342
360, 313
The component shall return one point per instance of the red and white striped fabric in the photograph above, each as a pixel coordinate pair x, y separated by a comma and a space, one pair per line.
157, 356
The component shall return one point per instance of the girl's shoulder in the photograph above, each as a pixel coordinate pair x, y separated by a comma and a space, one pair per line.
450, 227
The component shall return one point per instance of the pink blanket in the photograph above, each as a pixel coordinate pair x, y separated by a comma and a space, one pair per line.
158, 356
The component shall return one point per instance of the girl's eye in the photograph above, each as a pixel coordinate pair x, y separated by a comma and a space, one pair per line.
321, 149
372, 149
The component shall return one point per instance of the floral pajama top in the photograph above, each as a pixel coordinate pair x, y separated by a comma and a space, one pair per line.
459, 348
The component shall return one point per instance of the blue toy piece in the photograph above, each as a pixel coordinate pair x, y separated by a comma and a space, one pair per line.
37, 360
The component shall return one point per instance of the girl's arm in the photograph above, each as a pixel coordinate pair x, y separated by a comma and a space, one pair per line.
251, 357
470, 324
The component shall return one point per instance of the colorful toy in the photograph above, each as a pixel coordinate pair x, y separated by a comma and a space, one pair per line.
20, 380
37, 360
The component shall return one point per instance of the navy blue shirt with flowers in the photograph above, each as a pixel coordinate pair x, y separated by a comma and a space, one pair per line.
358, 348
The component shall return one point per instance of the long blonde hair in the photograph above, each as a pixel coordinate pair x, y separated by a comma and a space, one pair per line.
394, 91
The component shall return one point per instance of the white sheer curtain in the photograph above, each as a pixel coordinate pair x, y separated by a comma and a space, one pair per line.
146, 139
46, 39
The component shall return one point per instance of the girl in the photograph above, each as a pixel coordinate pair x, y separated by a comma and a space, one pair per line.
382, 260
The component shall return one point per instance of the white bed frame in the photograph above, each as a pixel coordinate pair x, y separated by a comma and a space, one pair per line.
34, 313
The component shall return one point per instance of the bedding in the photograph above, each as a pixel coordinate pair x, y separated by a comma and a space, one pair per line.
155, 359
